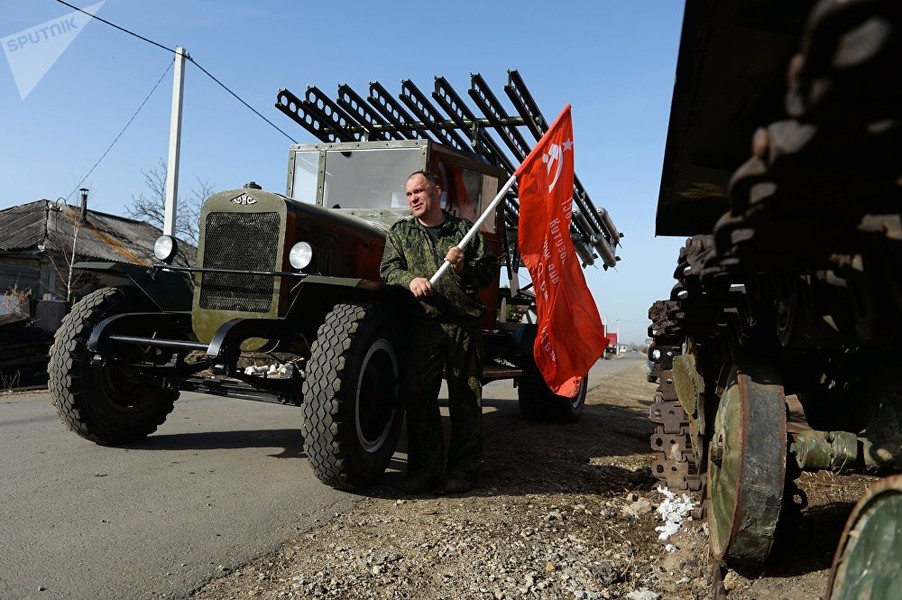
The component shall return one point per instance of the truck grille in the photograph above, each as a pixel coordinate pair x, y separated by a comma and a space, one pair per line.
245, 241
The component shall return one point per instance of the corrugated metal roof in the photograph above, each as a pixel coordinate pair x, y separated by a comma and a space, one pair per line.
22, 227
49, 226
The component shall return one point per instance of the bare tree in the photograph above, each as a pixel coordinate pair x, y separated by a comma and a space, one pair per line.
69, 279
70, 260
149, 206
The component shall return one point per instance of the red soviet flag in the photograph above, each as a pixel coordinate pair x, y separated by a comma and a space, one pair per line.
570, 337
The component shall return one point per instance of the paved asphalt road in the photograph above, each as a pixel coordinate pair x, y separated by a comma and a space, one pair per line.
221, 482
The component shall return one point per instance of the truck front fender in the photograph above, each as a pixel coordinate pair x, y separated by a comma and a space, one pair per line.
169, 291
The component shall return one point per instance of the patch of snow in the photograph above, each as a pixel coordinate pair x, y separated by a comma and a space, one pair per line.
673, 511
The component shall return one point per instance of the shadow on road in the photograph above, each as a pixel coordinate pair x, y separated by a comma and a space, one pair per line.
606, 451
289, 440
809, 545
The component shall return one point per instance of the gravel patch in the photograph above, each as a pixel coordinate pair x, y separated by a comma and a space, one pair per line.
561, 512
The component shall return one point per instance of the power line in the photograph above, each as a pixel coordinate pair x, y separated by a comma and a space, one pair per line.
110, 147
122, 29
172, 50
254, 110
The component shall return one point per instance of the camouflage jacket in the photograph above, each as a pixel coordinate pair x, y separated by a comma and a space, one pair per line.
410, 253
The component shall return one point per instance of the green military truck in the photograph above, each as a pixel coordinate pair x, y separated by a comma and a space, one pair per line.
285, 303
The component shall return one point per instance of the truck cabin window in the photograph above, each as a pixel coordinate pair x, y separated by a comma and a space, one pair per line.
369, 178
374, 178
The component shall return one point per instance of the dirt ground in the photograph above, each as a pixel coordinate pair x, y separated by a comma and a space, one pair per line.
560, 512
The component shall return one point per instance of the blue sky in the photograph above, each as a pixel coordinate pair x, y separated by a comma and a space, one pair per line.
613, 61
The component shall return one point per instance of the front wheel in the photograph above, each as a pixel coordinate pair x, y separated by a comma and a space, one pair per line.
353, 407
107, 404
539, 403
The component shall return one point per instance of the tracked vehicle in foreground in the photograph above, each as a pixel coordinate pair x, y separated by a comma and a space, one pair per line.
782, 169
285, 303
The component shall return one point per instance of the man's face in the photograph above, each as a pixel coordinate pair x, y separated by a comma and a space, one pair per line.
423, 197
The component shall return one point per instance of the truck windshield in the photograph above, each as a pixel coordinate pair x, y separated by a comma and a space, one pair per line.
371, 178
374, 178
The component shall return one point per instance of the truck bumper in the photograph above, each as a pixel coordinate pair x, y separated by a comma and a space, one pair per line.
173, 331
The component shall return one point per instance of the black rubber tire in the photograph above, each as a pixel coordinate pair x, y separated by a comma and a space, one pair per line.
539, 403
532, 395
107, 405
353, 405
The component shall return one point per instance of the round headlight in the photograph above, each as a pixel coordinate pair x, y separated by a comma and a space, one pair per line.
656, 354
300, 255
165, 248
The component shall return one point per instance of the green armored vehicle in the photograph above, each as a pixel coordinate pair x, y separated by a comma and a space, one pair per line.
780, 173
285, 303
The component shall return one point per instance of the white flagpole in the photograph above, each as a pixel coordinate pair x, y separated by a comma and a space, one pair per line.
473, 230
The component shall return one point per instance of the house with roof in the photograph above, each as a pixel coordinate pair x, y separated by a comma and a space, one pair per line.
40, 243
42, 240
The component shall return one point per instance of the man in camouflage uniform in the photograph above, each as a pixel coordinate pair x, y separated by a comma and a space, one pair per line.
444, 331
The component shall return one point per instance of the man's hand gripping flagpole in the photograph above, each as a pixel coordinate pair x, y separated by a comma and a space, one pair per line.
490, 210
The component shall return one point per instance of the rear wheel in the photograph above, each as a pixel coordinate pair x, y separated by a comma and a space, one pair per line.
352, 396
107, 404
539, 403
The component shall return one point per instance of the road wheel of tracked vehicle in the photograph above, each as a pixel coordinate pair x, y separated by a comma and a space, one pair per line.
105, 404
539, 403
747, 467
867, 562
352, 396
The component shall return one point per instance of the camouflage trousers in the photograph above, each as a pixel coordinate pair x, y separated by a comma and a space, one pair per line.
457, 347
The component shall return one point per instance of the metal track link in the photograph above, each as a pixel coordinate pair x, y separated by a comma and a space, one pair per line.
671, 440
